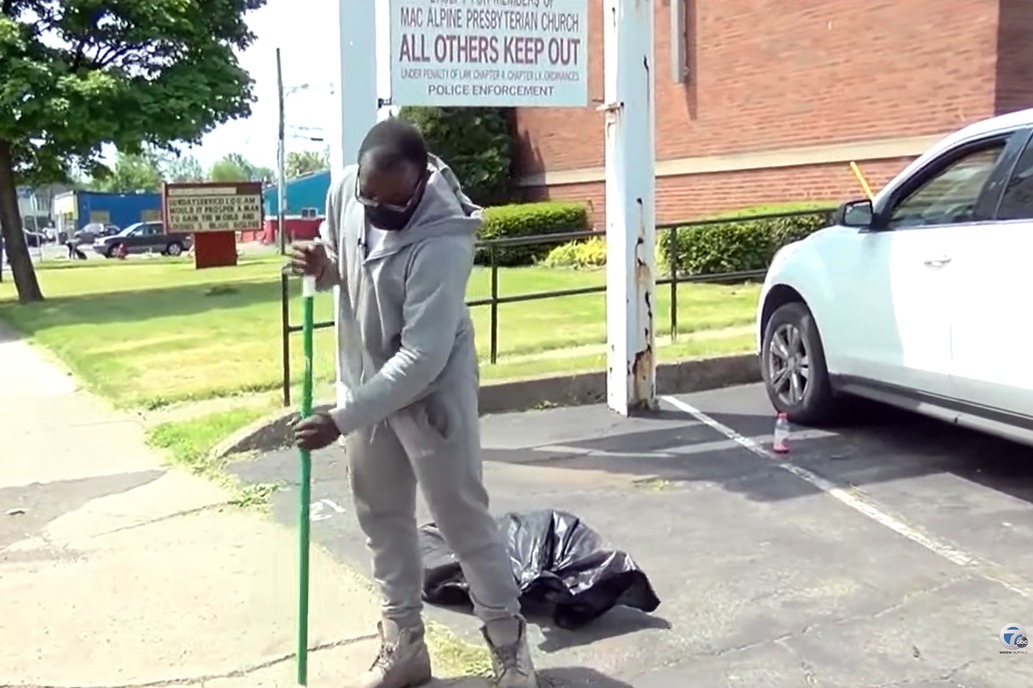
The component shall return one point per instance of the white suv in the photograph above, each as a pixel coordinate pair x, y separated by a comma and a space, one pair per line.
917, 298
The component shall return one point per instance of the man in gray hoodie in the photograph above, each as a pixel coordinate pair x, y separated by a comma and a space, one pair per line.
399, 243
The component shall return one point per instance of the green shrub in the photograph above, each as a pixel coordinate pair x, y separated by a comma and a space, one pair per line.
528, 219
586, 253
737, 246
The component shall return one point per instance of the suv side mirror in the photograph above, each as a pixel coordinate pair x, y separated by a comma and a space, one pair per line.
859, 214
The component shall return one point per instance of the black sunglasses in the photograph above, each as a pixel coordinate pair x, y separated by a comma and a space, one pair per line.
393, 207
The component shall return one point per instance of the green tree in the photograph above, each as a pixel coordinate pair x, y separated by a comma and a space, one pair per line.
131, 172
230, 169
80, 73
477, 144
181, 167
236, 168
263, 174
305, 162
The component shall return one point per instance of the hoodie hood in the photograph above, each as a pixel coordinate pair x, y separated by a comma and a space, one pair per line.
445, 202
445, 210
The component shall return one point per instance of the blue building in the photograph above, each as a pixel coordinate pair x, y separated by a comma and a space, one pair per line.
76, 209
306, 196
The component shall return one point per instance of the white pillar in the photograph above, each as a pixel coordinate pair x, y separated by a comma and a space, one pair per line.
630, 201
357, 95
357, 81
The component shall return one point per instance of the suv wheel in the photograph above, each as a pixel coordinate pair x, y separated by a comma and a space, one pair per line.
793, 365
174, 249
113, 250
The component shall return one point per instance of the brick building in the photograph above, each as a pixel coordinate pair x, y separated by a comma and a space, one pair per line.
780, 96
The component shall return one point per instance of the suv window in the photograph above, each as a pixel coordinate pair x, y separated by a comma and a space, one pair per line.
950, 196
1017, 201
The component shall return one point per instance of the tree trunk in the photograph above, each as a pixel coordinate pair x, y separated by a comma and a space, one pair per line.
14, 238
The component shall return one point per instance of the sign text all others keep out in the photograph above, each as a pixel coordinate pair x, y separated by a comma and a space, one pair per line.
503, 53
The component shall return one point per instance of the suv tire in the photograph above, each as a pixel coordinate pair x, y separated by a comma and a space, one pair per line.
792, 361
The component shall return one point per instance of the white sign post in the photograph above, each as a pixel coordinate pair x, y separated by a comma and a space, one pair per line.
630, 204
357, 77
534, 53
480, 53
357, 81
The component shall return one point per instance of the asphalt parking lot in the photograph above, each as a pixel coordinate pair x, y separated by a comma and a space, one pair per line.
890, 551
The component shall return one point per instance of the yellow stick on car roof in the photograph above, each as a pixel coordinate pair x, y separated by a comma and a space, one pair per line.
860, 178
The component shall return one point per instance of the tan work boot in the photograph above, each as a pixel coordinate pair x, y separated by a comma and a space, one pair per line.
510, 655
403, 660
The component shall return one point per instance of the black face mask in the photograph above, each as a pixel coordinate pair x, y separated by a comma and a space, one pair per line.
389, 219
393, 218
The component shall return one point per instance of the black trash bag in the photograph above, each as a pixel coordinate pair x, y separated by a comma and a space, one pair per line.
559, 563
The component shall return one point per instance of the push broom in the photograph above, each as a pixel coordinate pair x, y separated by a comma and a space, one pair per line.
308, 293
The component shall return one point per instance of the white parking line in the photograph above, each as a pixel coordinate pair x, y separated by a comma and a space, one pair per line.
318, 511
854, 500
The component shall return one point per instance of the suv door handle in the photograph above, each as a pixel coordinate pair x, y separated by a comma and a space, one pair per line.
938, 262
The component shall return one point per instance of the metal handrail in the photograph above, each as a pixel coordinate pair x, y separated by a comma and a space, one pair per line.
494, 300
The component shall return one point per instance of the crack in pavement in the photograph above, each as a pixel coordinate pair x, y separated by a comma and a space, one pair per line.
205, 679
943, 678
809, 672
808, 628
810, 676
896, 606
161, 519
15, 553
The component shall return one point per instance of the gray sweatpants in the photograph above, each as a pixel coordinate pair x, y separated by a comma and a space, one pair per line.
435, 444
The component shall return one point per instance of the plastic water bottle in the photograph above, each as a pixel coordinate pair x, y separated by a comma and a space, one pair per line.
781, 443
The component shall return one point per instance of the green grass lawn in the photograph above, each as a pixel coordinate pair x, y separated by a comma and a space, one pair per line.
147, 333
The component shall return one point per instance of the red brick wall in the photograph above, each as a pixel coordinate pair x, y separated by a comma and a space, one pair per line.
769, 74
567, 138
1015, 56
688, 197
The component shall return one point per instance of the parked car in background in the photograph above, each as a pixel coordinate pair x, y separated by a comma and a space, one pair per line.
144, 237
915, 298
95, 230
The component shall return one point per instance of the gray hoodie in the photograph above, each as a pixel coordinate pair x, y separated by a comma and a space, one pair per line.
404, 331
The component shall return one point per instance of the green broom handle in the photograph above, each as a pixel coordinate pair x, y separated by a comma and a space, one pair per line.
308, 294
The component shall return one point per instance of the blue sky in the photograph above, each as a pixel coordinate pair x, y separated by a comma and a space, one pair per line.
306, 33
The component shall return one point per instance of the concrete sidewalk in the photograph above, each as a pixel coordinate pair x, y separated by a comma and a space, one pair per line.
117, 572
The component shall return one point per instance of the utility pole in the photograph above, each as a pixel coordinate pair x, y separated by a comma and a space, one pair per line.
281, 163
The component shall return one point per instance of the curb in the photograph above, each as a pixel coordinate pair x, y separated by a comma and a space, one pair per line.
273, 431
